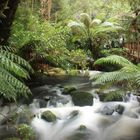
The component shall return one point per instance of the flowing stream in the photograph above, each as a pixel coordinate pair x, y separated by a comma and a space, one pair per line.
101, 121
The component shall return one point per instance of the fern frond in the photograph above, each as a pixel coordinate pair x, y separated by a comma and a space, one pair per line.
113, 77
6, 89
114, 60
78, 28
86, 19
7, 48
128, 74
137, 79
18, 86
16, 59
130, 69
106, 77
114, 96
95, 22
11, 66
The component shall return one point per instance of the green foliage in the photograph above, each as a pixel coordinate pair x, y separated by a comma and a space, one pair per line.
26, 132
114, 96
50, 42
13, 67
114, 59
69, 9
113, 51
128, 75
93, 33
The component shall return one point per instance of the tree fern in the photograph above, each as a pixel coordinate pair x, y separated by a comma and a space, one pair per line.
128, 74
11, 68
89, 31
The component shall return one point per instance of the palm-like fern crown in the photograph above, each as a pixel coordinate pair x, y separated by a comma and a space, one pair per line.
11, 68
129, 74
87, 26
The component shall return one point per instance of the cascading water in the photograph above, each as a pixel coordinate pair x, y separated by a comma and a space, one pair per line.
101, 121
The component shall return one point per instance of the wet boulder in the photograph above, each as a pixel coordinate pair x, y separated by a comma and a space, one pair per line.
107, 110
73, 114
68, 90
80, 98
48, 116
82, 133
119, 109
41, 103
82, 127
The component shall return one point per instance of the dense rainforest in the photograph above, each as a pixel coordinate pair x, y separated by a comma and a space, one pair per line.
69, 54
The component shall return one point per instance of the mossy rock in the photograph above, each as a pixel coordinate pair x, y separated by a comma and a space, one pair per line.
68, 90
48, 116
82, 133
82, 128
82, 98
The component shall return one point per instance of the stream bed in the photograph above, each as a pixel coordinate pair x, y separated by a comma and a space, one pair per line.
96, 121
58, 115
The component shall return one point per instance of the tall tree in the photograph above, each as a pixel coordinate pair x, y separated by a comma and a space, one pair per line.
7, 13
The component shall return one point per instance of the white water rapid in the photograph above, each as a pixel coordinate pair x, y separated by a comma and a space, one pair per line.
101, 121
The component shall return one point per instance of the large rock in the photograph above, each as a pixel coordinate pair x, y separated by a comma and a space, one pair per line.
120, 109
68, 90
107, 110
82, 98
82, 133
48, 116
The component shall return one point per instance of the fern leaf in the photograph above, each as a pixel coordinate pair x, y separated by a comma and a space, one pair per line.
13, 67
16, 59
114, 60
86, 19
10, 91
17, 85
114, 96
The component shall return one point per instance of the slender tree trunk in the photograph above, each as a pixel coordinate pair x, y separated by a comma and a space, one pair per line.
49, 9
5, 23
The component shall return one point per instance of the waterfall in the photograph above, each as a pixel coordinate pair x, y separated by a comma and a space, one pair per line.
101, 121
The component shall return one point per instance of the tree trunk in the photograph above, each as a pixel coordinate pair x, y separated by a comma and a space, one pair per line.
6, 22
